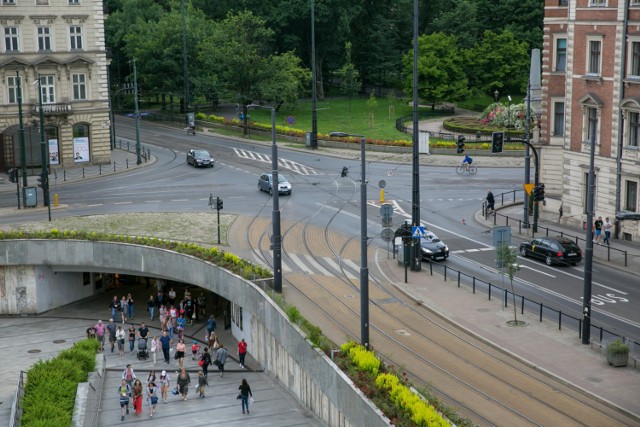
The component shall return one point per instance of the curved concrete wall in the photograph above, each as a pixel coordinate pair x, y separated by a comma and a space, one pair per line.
279, 346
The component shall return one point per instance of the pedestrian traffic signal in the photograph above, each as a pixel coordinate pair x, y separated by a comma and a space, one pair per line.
538, 193
345, 171
460, 144
43, 181
218, 203
497, 142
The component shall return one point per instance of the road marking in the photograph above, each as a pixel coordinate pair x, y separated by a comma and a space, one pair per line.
296, 167
351, 264
369, 222
536, 270
153, 201
297, 261
317, 265
337, 268
123, 203
93, 206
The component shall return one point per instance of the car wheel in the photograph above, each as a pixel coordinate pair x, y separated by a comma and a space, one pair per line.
271, 191
523, 251
548, 260
259, 187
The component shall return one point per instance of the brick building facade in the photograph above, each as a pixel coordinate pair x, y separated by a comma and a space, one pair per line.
591, 86
61, 42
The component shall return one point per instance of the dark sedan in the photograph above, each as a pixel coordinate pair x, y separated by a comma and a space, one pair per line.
200, 158
553, 250
433, 248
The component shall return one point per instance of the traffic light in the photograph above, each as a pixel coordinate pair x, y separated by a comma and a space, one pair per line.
218, 203
538, 193
345, 171
460, 144
43, 181
497, 142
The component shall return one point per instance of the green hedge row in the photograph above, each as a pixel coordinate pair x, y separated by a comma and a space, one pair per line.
50, 391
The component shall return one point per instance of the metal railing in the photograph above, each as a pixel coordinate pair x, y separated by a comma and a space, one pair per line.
620, 255
16, 406
570, 319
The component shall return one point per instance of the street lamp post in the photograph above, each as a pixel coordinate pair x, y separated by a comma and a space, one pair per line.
137, 112
43, 151
508, 111
496, 95
588, 250
415, 166
23, 148
314, 113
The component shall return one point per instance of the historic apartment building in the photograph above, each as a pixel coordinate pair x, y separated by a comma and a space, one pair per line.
591, 86
62, 43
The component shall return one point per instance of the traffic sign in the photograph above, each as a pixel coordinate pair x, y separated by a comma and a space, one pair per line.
382, 183
528, 188
417, 231
387, 234
387, 222
386, 210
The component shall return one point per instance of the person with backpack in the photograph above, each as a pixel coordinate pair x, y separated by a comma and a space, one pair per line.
124, 391
221, 358
206, 361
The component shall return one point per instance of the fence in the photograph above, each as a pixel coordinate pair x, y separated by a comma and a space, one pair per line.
98, 170
604, 251
16, 406
571, 319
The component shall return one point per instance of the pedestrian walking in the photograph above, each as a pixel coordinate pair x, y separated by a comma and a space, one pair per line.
214, 344
202, 382
181, 323
129, 375
115, 307
172, 296
124, 391
242, 351
245, 392
151, 306
206, 361
211, 324
152, 397
132, 338
91, 332
162, 316
607, 226
166, 344
155, 344
130, 306
183, 380
100, 331
137, 396
170, 326
221, 359
124, 309
202, 305
597, 229
164, 385
181, 347
491, 201
120, 338
111, 329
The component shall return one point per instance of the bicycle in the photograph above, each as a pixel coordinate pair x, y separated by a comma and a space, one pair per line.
471, 169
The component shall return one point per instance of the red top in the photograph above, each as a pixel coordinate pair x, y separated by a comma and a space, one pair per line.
242, 347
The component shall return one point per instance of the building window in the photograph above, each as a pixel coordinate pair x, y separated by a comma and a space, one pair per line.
71, 2
44, 38
593, 66
42, 2
634, 63
79, 86
563, 2
47, 86
75, 37
631, 196
597, 3
12, 86
11, 39
561, 54
634, 129
592, 123
8, 2
558, 118
635, 3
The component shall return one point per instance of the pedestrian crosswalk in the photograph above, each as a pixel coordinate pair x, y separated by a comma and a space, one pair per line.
282, 163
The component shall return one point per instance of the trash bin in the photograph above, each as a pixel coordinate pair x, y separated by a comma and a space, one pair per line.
30, 197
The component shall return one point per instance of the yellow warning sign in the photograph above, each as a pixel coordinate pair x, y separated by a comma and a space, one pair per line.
528, 188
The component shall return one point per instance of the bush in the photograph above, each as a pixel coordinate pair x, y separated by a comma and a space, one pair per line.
617, 346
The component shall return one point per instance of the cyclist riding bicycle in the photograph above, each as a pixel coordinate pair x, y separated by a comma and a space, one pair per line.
467, 161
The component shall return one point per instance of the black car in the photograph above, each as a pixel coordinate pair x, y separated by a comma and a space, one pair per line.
553, 250
433, 248
200, 158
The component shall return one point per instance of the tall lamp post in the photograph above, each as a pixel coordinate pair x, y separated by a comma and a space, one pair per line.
185, 64
508, 111
415, 167
496, 95
314, 113
23, 148
136, 112
364, 269
43, 151
275, 215
588, 250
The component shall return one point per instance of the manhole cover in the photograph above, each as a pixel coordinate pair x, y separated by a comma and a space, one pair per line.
349, 296
402, 332
35, 350
59, 341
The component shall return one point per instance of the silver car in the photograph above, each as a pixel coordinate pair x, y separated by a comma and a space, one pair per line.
265, 183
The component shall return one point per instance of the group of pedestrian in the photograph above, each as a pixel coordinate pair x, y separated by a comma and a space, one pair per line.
598, 227
131, 391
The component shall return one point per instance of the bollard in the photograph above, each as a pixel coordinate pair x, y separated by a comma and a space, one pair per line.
55, 200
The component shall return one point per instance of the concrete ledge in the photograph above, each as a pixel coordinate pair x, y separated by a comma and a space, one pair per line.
88, 396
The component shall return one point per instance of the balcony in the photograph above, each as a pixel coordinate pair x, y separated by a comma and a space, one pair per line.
58, 109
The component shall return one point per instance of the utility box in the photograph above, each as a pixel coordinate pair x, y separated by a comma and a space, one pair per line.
307, 139
30, 197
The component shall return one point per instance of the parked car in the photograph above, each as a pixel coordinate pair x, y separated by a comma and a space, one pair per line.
553, 250
265, 183
433, 248
200, 158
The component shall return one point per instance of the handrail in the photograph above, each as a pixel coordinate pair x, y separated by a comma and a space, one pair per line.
16, 411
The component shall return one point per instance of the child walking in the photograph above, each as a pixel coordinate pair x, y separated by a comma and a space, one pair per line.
202, 383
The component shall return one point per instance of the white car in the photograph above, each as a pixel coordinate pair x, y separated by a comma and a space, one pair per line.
265, 183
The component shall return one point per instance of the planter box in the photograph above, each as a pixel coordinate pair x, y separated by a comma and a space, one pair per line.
618, 360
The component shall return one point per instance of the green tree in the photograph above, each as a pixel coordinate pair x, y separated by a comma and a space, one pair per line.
441, 75
508, 263
349, 76
461, 18
499, 62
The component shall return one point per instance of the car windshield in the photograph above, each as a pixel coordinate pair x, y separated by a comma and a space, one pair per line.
430, 238
282, 178
202, 154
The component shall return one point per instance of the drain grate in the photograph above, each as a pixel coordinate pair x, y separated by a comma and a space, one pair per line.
35, 350
59, 341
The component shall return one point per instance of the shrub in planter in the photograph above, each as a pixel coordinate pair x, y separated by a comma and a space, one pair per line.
617, 353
